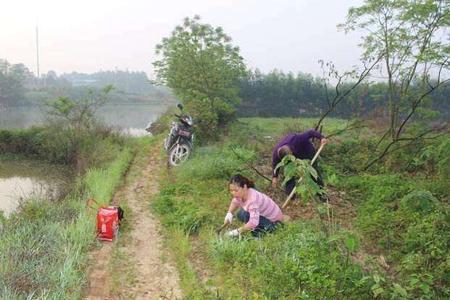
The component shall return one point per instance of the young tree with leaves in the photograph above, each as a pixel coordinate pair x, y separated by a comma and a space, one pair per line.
202, 67
412, 37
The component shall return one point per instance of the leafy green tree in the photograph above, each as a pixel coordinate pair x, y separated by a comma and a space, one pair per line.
411, 37
202, 67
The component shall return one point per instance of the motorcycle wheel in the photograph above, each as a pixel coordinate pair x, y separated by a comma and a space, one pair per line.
179, 154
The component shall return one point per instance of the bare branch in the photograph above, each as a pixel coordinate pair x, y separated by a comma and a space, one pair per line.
350, 126
339, 97
412, 140
416, 104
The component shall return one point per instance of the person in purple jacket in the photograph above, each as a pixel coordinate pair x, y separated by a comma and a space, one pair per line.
299, 145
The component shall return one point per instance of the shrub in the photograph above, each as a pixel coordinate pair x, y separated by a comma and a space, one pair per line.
418, 201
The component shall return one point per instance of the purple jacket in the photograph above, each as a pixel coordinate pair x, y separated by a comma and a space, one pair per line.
300, 145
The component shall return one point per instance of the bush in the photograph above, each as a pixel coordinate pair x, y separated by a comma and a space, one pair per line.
93, 148
418, 201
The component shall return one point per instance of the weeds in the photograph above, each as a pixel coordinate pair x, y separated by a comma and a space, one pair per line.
401, 212
43, 247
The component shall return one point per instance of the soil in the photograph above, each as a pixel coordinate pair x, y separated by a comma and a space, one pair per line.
153, 272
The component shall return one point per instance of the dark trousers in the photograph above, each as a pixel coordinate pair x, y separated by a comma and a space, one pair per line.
265, 225
291, 183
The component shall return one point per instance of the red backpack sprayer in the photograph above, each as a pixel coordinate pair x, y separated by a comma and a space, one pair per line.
108, 220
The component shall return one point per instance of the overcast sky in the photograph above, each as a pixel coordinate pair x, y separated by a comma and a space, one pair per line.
92, 35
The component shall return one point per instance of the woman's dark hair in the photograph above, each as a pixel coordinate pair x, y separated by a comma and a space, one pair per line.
240, 181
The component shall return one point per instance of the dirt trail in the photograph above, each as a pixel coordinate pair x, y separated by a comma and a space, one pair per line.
154, 274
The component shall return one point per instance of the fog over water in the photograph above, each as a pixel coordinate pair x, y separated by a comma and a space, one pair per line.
125, 116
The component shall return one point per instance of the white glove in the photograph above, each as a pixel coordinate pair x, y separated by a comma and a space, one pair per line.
228, 218
233, 233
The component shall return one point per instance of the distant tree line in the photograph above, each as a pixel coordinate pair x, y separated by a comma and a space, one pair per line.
277, 94
20, 87
13, 81
125, 81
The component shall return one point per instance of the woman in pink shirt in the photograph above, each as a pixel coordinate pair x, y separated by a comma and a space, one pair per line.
257, 211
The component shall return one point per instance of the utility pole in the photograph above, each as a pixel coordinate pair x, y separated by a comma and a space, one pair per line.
37, 49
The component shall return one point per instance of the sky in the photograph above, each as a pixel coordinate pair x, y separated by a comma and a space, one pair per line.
92, 35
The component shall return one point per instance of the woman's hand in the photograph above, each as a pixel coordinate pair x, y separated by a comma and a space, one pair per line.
233, 233
228, 218
323, 141
274, 182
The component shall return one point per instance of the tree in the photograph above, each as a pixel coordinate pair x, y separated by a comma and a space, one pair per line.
202, 67
412, 38
77, 115
12, 81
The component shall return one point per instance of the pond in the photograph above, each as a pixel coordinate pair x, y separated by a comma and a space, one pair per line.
21, 180
131, 117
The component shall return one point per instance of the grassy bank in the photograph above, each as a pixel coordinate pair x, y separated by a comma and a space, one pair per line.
44, 245
81, 149
393, 248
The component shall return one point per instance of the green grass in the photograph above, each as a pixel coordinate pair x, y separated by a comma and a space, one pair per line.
44, 246
280, 126
301, 261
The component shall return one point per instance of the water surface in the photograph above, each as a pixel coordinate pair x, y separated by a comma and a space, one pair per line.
21, 180
136, 115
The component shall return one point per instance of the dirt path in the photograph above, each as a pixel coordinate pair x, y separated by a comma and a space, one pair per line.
150, 271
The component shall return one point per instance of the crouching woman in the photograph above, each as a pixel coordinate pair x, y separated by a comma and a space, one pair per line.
257, 211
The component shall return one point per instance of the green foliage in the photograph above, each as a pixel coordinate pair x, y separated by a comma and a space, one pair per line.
349, 155
182, 214
411, 224
87, 148
440, 156
296, 261
276, 94
304, 173
418, 201
202, 67
402, 215
215, 163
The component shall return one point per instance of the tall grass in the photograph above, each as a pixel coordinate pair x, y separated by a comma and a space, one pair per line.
44, 246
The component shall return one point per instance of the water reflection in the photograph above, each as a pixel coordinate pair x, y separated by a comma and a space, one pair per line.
23, 180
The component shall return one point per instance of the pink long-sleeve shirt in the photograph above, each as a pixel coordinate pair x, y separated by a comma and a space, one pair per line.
257, 204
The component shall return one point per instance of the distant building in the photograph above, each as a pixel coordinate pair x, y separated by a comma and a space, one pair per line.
83, 82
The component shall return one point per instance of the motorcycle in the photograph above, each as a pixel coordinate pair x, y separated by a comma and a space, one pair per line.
180, 140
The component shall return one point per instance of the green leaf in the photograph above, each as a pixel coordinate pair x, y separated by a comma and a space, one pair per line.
400, 290
377, 290
351, 243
